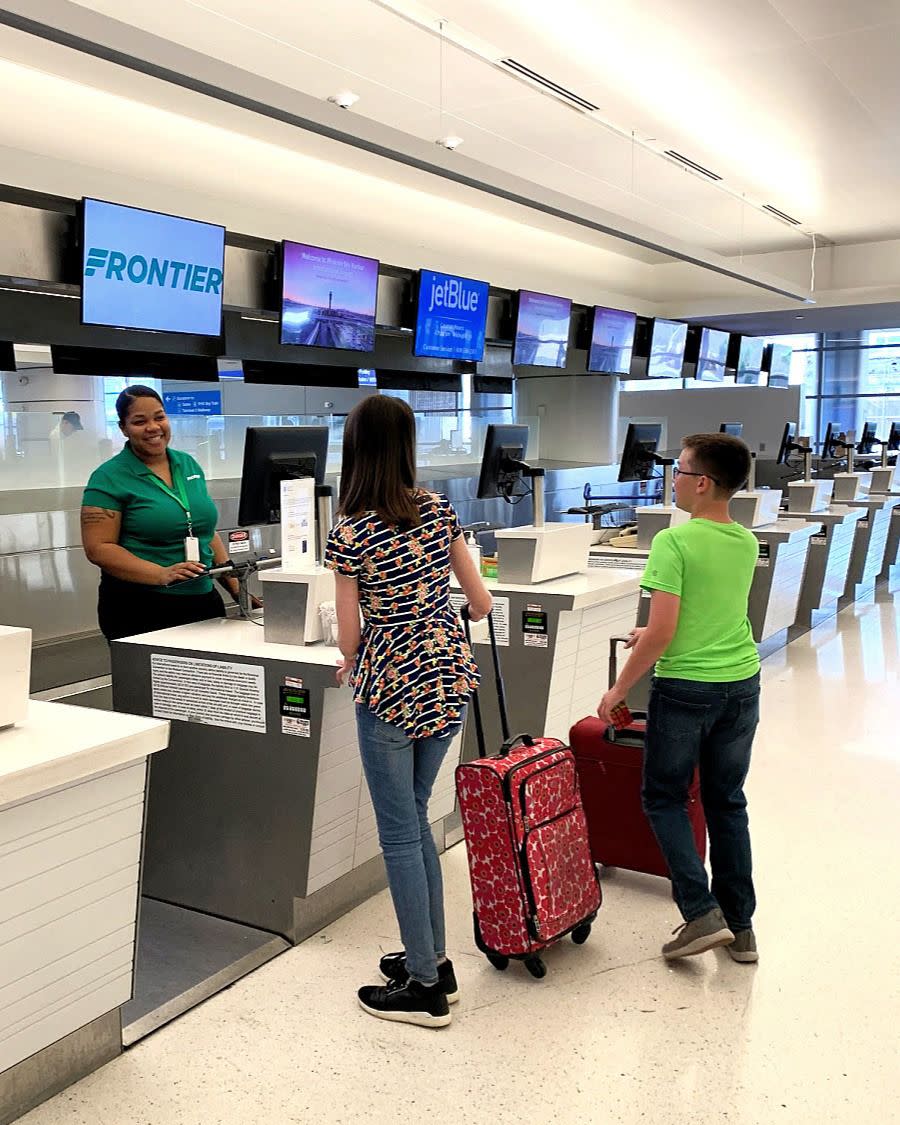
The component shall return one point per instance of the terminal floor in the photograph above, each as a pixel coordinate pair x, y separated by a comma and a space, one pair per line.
612, 1034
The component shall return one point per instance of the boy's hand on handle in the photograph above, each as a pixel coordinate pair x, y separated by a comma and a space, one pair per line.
635, 635
613, 698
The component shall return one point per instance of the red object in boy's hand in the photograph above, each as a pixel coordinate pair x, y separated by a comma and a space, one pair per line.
620, 716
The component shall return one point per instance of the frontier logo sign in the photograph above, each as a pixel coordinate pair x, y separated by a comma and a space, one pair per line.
145, 270
137, 269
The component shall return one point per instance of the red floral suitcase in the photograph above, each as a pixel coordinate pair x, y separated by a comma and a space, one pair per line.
533, 879
610, 765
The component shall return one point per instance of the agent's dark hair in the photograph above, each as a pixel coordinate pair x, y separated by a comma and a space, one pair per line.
128, 396
378, 473
723, 458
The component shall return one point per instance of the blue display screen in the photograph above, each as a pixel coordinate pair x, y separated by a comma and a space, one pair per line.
145, 270
542, 330
450, 317
196, 403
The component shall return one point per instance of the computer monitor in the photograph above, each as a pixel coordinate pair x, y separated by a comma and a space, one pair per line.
641, 443
667, 342
745, 356
788, 443
829, 445
867, 439
273, 454
736, 429
893, 441
777, 363
502, 462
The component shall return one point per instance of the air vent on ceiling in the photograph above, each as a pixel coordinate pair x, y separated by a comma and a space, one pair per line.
692, 164
781, 215
548, 84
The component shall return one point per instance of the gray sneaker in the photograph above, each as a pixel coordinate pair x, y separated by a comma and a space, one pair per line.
743, 948
699, 935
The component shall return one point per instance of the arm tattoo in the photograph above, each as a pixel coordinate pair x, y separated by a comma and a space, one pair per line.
91, 517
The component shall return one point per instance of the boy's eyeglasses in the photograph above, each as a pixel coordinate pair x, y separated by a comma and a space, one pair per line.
677, 472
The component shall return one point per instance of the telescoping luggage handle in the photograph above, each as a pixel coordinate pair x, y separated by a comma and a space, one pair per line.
508, 742
612, 734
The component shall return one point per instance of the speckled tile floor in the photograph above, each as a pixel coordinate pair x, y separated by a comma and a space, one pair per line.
612, 1034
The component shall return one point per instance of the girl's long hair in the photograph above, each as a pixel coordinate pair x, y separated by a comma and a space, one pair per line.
378, 473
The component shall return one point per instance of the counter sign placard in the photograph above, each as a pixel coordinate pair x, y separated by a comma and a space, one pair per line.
534, 627
296, 713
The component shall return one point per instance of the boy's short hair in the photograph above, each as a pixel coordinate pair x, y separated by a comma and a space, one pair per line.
723, 458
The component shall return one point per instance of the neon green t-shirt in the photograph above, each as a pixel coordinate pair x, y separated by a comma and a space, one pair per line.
710, 566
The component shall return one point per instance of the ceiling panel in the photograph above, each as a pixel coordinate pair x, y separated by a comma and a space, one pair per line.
816, 18
866, 62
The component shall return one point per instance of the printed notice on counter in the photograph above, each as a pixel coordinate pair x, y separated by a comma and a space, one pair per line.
295, 710
215, 693
239, 542
479, 628
298, 524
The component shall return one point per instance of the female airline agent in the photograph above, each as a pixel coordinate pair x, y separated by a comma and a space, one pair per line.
149, 523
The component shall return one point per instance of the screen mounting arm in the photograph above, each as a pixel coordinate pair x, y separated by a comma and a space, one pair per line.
667, 463
536, 476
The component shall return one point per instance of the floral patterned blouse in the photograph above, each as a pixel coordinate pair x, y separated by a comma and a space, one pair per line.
414, 668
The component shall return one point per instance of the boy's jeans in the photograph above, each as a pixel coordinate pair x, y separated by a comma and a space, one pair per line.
713, 725
400, 773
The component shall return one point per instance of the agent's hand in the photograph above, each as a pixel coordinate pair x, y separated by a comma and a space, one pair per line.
608, 703
344, 668
180, 572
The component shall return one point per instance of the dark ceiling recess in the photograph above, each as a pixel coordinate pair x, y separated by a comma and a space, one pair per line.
7, 357
548, 84
70, 360
692, 164
781, 215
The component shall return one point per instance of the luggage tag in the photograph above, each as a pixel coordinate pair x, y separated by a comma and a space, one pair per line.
191, 548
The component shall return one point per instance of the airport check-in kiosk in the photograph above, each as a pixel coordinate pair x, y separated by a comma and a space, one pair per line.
870, 546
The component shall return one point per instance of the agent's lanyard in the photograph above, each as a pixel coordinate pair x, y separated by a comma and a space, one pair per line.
180, 497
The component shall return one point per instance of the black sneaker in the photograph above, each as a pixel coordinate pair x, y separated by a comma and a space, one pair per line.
392, 967
422, 1005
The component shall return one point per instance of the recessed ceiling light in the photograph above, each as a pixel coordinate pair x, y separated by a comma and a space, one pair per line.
346, 99
799, 316
450, 142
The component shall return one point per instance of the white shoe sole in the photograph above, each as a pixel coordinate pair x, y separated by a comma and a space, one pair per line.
700, 945
419, 1019
452, 997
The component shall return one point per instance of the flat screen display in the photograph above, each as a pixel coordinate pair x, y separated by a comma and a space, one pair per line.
451, 315
367, 376
145, 270
779, 365
328, 298
542, 330
612, 341
750, 357
713, 354
667, 349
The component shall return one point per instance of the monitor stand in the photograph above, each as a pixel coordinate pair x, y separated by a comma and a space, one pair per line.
753, 507
654, 518
541, 551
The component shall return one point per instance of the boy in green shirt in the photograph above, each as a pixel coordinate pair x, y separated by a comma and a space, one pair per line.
704, 702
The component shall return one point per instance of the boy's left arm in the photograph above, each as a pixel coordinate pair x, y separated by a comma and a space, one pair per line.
647, 646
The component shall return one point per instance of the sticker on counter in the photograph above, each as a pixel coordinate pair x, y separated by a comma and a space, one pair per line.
534, 627
819, 540
764, 558
479, 630
215, 693
863, 523
239, 542
295, 711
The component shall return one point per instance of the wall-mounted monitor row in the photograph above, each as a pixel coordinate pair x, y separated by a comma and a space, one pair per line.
148, 271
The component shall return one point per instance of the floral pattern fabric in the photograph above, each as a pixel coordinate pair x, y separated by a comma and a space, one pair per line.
414, 668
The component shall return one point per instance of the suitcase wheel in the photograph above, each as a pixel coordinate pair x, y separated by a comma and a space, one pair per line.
498, 961
536, 967
581, 933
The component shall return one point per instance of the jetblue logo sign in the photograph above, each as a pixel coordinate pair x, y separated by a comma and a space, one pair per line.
451, 316
116, 266
145, 270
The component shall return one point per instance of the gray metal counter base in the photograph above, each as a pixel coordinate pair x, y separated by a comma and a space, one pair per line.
870, 546
892, 553
256, 837
827, 565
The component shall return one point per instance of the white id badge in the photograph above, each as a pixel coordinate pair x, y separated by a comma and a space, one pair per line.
191, 548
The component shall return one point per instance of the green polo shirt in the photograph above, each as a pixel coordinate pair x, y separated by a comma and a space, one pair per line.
154, 524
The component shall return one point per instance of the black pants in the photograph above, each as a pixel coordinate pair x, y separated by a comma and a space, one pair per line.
125, 609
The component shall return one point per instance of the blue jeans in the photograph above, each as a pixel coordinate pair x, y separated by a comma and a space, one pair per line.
400, 773
711, 725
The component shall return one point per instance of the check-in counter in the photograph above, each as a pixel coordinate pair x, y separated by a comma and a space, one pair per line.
780, 569
828, 563
72, 798
892, 551
260, 829
554, 649
870, 545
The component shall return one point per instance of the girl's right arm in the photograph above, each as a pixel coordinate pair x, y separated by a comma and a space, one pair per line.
469, 579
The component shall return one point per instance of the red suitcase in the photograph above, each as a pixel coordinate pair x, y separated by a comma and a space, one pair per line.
610, 765
533, 880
